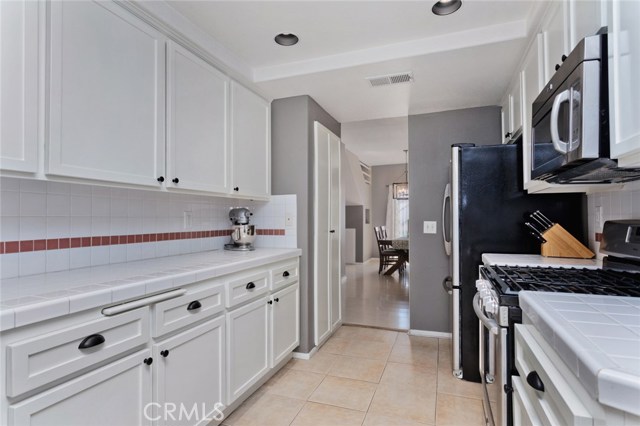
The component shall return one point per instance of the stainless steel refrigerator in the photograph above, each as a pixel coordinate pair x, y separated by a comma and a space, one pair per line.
486, 207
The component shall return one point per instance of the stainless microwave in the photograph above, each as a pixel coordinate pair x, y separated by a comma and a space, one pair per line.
570, 121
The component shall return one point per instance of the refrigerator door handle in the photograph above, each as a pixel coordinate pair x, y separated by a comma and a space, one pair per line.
446, 198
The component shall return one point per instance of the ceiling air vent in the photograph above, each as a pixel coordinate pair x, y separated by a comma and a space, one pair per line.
385, 80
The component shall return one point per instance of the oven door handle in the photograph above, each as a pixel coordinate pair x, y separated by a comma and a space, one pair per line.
489, 323
559, 145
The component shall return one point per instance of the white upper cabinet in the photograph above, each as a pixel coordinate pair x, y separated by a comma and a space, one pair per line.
512, 111
505, 106
554, 31
586, 19
107, 95
251, 144
19, 34
624, 83
532, 83
197, 142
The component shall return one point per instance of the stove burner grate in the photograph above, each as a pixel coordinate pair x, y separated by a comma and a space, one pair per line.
570, 280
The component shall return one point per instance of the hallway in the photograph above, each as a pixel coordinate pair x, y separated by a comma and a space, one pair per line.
376, 300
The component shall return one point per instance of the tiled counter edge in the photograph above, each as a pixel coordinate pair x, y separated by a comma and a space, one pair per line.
36, 298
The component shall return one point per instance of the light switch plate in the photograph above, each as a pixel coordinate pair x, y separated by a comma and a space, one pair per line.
429, 227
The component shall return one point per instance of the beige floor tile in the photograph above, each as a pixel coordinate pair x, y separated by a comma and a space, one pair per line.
267, 409
335, 345
402, 401
406, 340
313, 414
410, 375
378, 420
368, 349
346, 332
455, 410
376, 335
294, 384
368, 370
320, 362
424, 356
346, 393
454, 386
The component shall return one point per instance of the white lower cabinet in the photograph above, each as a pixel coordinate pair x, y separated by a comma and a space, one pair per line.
189, 375
247, 346
285, 333
116, 394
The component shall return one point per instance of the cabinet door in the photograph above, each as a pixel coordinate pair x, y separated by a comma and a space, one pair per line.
250, 143
247, 347
189, 372
19, 34
107, 94
507, 128
285, 323
624, 85
116, 394
197, 142
532, 83
516, 104
554, 30
586, 18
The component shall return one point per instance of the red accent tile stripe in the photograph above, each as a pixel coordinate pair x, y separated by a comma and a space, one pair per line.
8, 247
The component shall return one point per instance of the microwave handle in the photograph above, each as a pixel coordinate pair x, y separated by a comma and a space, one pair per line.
558, 144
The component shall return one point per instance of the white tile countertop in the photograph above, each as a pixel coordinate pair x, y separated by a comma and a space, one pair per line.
598, 337
34, 298
538, 260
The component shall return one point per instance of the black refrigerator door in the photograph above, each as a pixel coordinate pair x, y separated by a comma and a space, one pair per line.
492, 207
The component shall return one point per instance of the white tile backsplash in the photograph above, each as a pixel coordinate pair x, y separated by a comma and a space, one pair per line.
623, 204
32, 210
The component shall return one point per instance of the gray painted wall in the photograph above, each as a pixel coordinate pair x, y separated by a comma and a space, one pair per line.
354, 218
430, 139
381, 177
292, 173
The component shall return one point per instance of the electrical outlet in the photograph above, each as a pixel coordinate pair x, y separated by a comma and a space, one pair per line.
429, 227
186, 220
289, 222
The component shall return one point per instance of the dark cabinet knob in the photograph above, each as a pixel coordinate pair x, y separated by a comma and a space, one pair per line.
276, 299
507, 135
194, 305
535, 382
250, 286
557, 67
285, 274
148, 361
175, 180
165, 353
564, 58
236, 189
333, 231
269, 302
161, 179
91, 341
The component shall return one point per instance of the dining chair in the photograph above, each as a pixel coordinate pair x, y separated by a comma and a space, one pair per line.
388, 255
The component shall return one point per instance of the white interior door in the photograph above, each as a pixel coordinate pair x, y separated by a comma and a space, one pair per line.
334, 233
322, 224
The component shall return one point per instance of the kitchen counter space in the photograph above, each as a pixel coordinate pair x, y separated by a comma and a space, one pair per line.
34, 298
598, 337
538, 260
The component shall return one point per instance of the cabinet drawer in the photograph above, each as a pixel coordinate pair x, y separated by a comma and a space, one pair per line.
285, 274
247, 287
558, 402
34, 362
194, 306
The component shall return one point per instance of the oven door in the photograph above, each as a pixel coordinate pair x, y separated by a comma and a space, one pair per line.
493, 367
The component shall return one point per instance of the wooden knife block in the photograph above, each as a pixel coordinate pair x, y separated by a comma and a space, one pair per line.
560, 243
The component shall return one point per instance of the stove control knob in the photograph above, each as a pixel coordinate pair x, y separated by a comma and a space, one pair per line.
484, 292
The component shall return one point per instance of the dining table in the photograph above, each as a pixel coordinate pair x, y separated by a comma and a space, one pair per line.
402, 245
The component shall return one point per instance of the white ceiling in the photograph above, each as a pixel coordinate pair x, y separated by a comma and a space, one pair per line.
458, 61
378, 142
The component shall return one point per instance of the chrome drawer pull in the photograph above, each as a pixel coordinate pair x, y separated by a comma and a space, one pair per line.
91, 341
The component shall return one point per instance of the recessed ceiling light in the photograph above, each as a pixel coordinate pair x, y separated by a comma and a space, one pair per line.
286, 39
446, 7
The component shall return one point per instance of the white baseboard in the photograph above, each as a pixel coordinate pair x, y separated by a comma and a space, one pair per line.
425, 333
308, 355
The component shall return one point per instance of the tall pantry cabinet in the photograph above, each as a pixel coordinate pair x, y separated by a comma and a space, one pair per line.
293, 171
